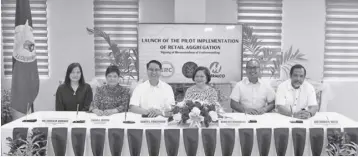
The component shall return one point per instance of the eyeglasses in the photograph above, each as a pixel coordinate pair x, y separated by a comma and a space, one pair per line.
154, 70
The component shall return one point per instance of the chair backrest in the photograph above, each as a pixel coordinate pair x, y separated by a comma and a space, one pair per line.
319, 99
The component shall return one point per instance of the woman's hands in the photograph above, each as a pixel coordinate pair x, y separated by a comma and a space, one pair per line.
105, 112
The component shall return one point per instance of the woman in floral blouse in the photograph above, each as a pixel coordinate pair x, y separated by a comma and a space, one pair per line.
201, 91
110, 98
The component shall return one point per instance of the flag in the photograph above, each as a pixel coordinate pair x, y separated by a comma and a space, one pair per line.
25, 77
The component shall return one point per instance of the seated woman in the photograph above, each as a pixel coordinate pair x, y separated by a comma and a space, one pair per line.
201, 91
110, 98
74, 91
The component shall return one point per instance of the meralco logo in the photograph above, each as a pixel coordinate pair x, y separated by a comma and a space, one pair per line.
215, 69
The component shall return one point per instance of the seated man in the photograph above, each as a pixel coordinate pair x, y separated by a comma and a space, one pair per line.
251, 95
153, 96
296, 97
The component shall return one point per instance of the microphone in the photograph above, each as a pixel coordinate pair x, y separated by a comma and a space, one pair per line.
329, 122
27, 112
125, 116
292, 118
78, 106
245, 115
249, 121
78, 121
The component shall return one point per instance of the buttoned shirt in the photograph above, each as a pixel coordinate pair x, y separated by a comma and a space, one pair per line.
147, 96
297, 99
252, 95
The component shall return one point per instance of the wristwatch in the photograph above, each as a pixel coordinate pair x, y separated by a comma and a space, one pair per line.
311, 114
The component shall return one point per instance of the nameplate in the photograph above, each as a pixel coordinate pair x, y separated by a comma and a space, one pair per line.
230, 122
325, 122
154, 122
100, 121
55, 121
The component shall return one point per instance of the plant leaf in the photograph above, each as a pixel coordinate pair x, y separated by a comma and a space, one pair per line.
90, 31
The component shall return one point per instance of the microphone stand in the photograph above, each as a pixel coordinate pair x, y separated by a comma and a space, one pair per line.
292, 119
27, 112
78, 105
329, 122
125, 117
249, 121
78, 121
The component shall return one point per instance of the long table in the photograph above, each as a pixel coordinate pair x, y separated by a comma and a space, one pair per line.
273, 134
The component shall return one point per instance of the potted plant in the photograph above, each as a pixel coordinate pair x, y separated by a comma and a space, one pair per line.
6, 116
34, 145
125, 58
278, 63
339, 144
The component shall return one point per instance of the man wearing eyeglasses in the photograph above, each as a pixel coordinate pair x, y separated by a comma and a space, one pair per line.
152, 97
251, 95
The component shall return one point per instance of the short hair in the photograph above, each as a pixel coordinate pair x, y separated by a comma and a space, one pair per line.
155, 62
253, 60
112, 68
69, 70
297, 66
206, 72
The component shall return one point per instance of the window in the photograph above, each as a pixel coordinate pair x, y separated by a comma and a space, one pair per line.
39, 20
341, 44
119, 19
264, 18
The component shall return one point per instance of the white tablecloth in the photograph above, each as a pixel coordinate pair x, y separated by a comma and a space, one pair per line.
269, 120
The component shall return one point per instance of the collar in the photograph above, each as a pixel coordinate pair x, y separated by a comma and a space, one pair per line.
247, 81
70, 87
289, 85
108, 86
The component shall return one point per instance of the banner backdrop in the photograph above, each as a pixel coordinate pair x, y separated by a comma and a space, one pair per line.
183, 47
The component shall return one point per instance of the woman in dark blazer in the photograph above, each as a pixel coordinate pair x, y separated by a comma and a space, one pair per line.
74, 91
